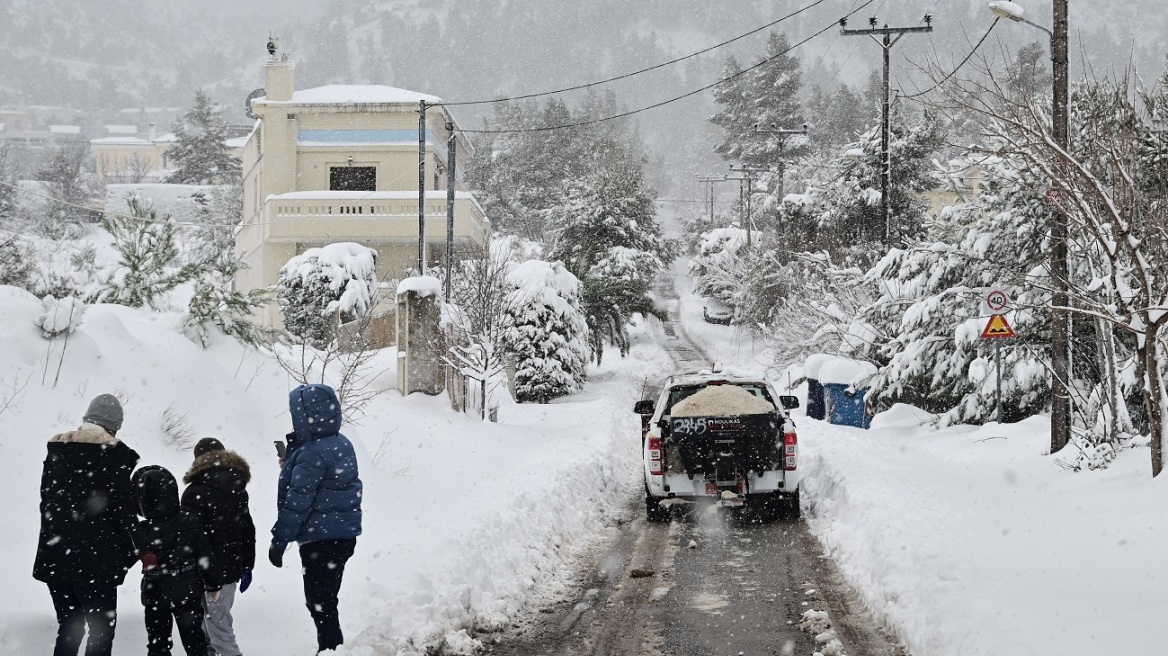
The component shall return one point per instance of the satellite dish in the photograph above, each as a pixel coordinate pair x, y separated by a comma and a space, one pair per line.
258, 93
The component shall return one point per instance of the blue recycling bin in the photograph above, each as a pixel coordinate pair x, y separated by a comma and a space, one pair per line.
815, 405
846, 408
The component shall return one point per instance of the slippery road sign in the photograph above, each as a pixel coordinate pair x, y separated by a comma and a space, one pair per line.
998, 328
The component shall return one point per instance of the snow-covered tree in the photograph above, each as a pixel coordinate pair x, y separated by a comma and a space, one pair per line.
215, 303
605, 232
217, 215
72, 187
765, 96
324, 287
200, 147
547, 333
148, 257
16, 264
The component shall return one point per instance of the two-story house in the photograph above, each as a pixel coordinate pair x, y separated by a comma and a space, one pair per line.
341, 163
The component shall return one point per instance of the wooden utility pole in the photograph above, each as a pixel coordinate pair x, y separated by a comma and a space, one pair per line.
421, 187
886, 42
451, 157
782, 135
748, 175
1060, 320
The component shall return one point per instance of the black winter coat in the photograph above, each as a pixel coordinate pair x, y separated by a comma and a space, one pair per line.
174, 549
87, 509
217, 494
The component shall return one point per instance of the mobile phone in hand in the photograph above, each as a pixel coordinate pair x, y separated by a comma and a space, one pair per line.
281, 449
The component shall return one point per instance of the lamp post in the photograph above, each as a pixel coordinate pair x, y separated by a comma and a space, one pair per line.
1060, 360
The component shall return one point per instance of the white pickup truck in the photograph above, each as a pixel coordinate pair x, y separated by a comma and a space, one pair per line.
733, 456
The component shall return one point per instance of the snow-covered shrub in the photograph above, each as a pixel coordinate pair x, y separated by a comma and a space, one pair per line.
60, 316
15, 261
64, 269
547, 332
148, 257
324, 287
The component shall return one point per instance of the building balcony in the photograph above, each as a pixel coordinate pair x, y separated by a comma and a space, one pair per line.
381, 217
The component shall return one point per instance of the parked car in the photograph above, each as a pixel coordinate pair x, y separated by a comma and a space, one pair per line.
716, 311
722, 455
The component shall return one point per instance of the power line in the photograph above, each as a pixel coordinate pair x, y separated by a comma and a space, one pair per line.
671, 100
634, 73
963, 62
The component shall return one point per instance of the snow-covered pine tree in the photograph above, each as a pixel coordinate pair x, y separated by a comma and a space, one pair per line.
215, 303
148, 257
547, 333
213, 239
69, 183
324, 287
200, 147
847, 199
605, 232
8, 187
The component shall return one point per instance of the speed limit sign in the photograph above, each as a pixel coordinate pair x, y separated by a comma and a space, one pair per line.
996, 302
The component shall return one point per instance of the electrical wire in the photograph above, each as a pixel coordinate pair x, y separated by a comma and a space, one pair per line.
963, 62
547, 128
633, 73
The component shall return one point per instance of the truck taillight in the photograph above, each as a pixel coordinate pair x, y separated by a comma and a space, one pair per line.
655, 467
790, 451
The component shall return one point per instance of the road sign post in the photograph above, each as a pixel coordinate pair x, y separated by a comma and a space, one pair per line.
996, 304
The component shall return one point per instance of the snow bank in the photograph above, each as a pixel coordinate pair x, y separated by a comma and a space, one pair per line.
969, 541
717, 400
814, 363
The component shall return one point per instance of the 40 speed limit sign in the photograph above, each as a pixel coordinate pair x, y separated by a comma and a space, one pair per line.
995, 302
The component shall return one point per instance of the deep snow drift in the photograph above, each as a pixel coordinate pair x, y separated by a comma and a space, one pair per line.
464, 520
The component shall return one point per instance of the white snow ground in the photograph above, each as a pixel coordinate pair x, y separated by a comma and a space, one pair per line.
464, 520
969, 540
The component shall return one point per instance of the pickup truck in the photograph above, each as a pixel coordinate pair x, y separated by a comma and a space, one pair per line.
730, 453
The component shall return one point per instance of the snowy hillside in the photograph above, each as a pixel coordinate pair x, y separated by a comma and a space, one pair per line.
463, 520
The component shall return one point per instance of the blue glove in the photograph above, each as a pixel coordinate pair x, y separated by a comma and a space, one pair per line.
245, 581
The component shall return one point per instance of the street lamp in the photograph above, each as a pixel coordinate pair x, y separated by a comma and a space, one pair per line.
1060, 360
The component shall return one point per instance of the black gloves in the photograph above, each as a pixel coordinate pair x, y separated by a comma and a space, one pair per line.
276, 556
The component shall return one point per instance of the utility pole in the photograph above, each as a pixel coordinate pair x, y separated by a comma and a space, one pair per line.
451, 157
886, 43
782, 135
1060, 321
422, 188
747, 175
710, 193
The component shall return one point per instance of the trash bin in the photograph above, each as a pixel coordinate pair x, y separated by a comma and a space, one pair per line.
846, 393
815, 393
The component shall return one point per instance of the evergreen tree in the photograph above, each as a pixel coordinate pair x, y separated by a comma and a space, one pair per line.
200, 147
547, 332
605, 232
765, 96
215, 303
148, 258
68, 182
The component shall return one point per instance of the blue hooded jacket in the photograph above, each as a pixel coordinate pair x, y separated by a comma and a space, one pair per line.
319, 496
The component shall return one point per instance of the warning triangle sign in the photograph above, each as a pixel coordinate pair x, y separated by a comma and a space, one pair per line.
998, 327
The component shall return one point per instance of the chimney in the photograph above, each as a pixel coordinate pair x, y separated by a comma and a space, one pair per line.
150, 133
281, 79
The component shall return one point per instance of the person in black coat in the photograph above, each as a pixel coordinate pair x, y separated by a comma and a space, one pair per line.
176, 558
217, 493
87, 515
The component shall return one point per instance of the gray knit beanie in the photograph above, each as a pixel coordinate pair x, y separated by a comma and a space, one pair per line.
106, 411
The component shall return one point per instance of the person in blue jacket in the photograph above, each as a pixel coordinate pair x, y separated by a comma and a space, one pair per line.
319, 504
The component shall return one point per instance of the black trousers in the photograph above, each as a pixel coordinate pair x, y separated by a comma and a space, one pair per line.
167, 605
324, 567
81, 605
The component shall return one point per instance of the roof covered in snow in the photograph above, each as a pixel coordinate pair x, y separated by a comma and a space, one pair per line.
355, 94
121, 141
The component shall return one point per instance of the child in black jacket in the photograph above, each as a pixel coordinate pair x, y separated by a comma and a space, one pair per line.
175, 557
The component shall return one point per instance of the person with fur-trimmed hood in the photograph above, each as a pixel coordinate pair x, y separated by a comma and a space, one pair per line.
217, 493
87, 516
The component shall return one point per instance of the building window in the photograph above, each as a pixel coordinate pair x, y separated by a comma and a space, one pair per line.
353, 178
